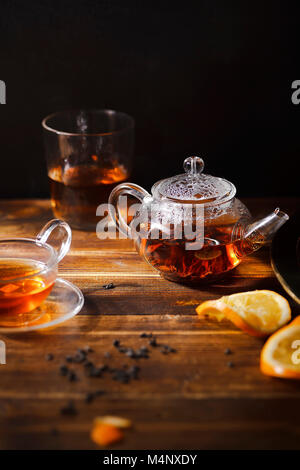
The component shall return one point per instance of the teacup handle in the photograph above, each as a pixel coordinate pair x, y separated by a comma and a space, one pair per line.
114, 208
65, 241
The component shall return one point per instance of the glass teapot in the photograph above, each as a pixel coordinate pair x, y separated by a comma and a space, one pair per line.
191, 228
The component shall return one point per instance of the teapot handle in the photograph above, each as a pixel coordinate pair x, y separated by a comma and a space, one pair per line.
114, 205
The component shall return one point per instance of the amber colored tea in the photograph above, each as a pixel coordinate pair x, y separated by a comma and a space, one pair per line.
77, 191
24, 284
218, 255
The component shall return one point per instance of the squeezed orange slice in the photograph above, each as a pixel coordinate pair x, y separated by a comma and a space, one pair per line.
280, 356
258, 313
107, 429
106, 434
116, 421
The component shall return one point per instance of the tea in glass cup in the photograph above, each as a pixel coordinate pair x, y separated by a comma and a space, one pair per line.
28, 270
88, 153
24, 284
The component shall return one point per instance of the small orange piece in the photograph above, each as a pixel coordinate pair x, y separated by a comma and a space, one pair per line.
116, 421
106, 434
280, 356
258, 313
8, 288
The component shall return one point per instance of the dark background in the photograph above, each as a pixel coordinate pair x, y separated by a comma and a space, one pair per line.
211, 78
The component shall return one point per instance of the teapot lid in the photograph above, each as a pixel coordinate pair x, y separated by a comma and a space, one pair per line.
194, 186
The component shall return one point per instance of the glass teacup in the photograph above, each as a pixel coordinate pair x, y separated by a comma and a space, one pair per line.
28, 270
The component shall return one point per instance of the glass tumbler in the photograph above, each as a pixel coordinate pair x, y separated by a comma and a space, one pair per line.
88, 153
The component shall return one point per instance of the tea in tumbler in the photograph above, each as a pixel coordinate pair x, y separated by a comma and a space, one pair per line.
88, 153
77, 191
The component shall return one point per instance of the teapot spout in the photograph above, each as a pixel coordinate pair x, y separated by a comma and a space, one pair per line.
264, 229
259, 233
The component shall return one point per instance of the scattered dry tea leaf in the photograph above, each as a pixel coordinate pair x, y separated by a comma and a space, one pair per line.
105, 434
113, 421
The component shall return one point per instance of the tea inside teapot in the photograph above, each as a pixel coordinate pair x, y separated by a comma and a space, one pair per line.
192, 228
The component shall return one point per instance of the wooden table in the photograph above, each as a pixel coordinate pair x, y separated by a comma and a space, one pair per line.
187, 400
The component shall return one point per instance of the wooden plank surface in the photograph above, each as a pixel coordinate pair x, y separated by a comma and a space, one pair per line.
189, 399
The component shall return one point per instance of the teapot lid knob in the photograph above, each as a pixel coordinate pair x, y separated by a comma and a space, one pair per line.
193, 166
